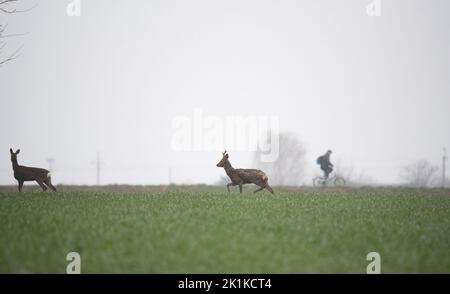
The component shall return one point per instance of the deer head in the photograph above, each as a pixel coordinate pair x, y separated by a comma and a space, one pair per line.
224, 159
14, 154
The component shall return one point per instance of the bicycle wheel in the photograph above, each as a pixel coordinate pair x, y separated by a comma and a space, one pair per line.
339, 182
318, 182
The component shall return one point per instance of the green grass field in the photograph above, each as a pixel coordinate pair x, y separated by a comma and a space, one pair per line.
204, 230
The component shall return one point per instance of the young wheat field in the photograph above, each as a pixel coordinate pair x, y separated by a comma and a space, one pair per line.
203, 229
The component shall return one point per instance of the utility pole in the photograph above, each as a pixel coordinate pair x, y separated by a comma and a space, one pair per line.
444, 159
50, 163
98, 168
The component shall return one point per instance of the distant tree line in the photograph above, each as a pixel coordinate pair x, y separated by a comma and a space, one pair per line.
421, 174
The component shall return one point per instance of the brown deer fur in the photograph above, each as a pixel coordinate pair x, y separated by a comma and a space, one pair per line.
241, 176
24, 173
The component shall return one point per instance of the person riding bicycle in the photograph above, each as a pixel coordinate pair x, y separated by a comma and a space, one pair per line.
325, 165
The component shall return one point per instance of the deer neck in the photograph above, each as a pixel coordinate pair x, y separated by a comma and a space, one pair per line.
14, 164
228, 168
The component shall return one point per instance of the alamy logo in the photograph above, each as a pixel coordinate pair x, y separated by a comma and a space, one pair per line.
74, 8
374, 8
74, 266
238, 133
374, 266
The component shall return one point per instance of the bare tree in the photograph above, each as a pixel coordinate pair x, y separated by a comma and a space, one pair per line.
3, 36
7, 7
289, 168
420, 174
352, 175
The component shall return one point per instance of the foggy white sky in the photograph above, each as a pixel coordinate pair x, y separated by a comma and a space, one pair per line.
374, 89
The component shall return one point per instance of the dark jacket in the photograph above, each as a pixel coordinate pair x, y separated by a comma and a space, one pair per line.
324, 160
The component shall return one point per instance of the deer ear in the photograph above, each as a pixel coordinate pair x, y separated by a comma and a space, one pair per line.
18, 151
10, 151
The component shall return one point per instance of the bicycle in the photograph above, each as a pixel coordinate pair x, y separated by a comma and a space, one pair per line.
335, 180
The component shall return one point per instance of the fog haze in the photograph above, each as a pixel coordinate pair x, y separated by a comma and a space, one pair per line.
375, 90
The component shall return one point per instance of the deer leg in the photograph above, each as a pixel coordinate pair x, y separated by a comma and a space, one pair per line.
48, 182
228, 186
240, 188
41, 183
20, 185
269, 188
259, 189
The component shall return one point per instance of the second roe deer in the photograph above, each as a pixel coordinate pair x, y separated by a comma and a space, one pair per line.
25, 173
241, 176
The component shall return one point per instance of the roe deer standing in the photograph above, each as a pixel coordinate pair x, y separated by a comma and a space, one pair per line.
241, 176
25, 173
